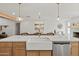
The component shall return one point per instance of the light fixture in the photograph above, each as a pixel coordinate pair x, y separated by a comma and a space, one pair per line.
39, 15
58, 18
19, 19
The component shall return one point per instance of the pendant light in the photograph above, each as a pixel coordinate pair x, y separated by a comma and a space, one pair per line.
38, 15
19, 19
58, 18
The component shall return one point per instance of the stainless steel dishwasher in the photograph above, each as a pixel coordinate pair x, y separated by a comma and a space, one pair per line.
61, 48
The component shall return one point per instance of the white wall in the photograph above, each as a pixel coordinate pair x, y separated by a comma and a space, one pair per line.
11, 26
28, 26
48, 13
49, 26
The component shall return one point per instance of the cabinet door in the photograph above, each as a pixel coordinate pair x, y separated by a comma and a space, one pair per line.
74, 49
5, 44
5, 48
33, 53
45, 53
19, 45
5, 51
18, 52
19, 48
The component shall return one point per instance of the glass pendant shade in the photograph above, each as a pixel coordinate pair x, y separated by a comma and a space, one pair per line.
58, 18
20, 19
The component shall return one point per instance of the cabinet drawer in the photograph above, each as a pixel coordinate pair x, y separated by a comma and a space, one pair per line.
74, 49
19, 44
38, 53
33, 53
5, 44
18, 52
74, 44
45, 53
5, 52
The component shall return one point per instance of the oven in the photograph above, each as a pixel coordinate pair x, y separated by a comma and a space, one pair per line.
76, 34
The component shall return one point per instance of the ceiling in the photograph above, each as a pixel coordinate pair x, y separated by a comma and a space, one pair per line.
48, 11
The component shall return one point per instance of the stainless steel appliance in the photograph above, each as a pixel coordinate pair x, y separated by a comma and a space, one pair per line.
76, 34
61, 48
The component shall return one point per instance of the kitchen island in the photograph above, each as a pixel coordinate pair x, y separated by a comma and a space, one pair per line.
25, 45
20, 45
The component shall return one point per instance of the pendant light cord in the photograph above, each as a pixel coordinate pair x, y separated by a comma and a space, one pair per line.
19, 9
58, 10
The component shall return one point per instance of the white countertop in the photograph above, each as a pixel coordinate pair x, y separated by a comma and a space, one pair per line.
63, 38
29, 38
15, 38
32, 42
22, 38
38, 43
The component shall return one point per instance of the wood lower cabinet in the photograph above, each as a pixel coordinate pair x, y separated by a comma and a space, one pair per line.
45, 53
19, 48
74, 48
38, 53
5, 51
20, 45
18, 52
32, 53
5, 48
5, 44
12, 48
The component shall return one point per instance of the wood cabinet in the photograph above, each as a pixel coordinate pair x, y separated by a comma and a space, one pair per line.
12, 48
74, 48
5, 48
32, 53
19, 48
18, 52
5, 44
5, 52
39, 53
45, 53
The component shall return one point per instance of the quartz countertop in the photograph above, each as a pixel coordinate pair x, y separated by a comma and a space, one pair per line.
63, 39
33, 42
38, 43
29, 38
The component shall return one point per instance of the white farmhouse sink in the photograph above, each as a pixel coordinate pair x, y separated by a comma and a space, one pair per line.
39, 43
38, 39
